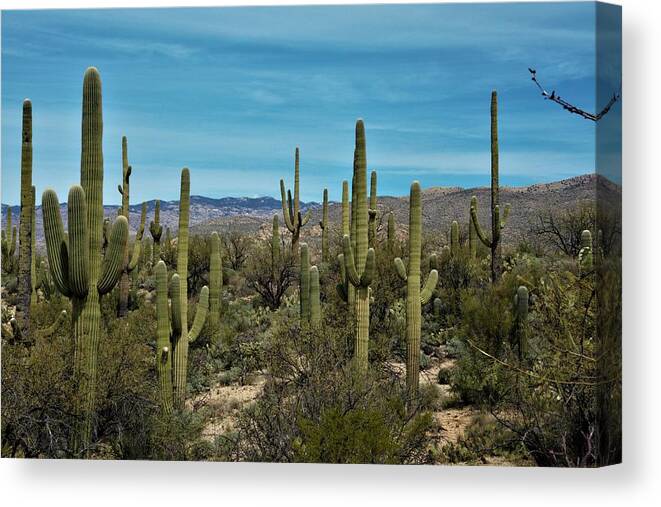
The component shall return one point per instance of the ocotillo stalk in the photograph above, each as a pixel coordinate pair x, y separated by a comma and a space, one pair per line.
454, 239
415, 298
291, 207
33, 252
497, 223
304, 289
156, 230
472, 235
324, 228
76, 263
372, 211
24, 288
359, 259
315, 302
521, 320
181, 335
215, 282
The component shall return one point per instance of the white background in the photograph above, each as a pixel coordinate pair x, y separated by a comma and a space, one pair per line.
636, 482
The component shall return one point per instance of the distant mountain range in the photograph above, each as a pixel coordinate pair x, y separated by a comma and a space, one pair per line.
441, 205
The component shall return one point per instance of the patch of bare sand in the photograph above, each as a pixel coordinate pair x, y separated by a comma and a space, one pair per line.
224, 404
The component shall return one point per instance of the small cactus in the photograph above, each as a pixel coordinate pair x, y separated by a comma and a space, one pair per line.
454, 239
585, 255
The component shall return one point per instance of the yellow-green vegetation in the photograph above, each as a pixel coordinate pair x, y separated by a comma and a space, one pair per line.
362, 342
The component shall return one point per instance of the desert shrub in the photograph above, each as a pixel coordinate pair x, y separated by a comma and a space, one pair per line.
316, 407
271, 282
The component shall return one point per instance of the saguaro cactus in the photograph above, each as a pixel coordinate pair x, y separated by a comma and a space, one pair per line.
130, 262
315, 301
497, 223
8, 244
585, 256
76, 264
25, 230
324, 228
472, 235
345, 290
454, 238
359, 259
415, 298
372, 210
181, 336
215, 281
172, 330
156, 230
33, 251
291, 207
521, 320
304, 290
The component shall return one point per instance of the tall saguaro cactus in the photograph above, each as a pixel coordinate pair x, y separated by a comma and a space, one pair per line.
181, 336
359, 259
472, 235
215, 281
497, 223
156, 230
315, 300
25, 229
324, 228
130, 259
33, 252
415, 298
76, 264
454, 238
291, 210
345, 290
372, 210
172, 332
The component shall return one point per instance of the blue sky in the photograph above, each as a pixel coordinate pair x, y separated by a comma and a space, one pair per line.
230, 92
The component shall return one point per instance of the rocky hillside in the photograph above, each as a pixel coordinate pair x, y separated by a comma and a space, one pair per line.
441, 205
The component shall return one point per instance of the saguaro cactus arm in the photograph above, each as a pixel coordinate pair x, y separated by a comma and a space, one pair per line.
56, 244
315, 303
78, 242
287, 211
111, 268
428, 287
201, 312
175, 298
478, 228
163, 330
400, 268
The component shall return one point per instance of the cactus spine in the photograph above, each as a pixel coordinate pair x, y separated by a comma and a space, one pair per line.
372, 210
291, 207
324, 228
415, 298
76, 264
215, 282
359, 261
497, 223
454, 239
156, 230
25, 229
182, 336
520, 320
304, 291
585, 256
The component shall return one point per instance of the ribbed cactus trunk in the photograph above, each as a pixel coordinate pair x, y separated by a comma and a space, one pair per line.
156, 230
124, 190
414, 297
215, 282
315, 299
358, 257
291, 210
33, 251
76, 262
304, 288
180, 345
472, 235
324, 228
163, 346
497, 223
585, 254
24, 288
454, 239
